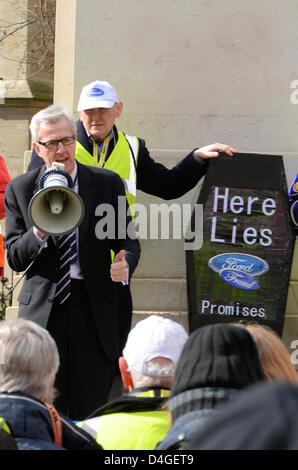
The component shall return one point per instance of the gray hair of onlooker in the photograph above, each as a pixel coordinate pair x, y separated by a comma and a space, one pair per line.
29, 359
52, 113
161, 374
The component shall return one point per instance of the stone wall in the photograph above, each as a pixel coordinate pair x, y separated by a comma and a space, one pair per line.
190, 72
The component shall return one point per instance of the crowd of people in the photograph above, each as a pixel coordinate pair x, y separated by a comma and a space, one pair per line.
180, 391
74, 374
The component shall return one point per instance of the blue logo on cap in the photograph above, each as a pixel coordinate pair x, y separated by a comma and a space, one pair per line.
94, 92
239, 279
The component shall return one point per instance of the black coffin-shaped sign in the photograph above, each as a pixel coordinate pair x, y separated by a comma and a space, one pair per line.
242, 270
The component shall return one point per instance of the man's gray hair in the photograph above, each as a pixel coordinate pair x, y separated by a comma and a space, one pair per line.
160, 374
52, 113
29, 358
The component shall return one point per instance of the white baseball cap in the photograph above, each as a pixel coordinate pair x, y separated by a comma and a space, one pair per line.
153, 337
98, 94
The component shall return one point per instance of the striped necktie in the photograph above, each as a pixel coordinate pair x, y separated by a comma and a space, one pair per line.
67, 256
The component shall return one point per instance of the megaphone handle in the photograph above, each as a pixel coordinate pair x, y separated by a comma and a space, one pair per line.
28, 267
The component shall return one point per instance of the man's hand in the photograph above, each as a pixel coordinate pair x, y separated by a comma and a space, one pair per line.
38, 232
213, 150
119, 267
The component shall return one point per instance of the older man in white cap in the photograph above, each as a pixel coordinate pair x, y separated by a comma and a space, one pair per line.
137, 420
101, 144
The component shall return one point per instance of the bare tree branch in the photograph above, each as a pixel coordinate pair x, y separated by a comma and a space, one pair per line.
39, 24
22, 26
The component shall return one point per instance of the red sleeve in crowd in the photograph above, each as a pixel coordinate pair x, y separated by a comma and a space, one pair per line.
4, 180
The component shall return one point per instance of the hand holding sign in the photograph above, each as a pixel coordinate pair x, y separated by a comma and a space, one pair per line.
213, 150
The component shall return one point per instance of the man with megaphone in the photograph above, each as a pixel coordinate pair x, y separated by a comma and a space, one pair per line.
101, 144
70, 286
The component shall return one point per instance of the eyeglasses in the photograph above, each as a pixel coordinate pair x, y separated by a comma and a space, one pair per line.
53, 144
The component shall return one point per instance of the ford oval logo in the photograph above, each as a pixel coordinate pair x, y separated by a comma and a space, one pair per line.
249, 264
239, 279
96, 92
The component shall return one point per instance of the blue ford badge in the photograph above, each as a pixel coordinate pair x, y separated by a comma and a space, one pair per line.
95, 92
249, 264
239, 279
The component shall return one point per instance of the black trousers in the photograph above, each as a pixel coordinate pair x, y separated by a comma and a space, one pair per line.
125, 315
85, 374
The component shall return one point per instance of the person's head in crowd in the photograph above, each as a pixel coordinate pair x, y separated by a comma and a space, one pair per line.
54, 133
151, 353
217, 356
29, 359
275, 359
98, 108
263, 417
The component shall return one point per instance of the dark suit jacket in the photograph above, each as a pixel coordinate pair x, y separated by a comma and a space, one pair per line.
96, 186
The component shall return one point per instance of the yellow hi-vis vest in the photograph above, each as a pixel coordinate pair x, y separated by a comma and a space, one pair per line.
4, 426
121, 161
128, 430
132, 431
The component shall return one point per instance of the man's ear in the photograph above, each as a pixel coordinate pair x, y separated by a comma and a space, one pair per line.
125, 374
36, 148
118, 108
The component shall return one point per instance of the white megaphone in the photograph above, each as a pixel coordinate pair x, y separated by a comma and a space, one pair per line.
56, 209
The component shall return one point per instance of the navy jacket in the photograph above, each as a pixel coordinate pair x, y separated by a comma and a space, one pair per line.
31, 426
96, 186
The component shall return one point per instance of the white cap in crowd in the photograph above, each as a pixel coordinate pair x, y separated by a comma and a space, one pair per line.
153, 337
98, 94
